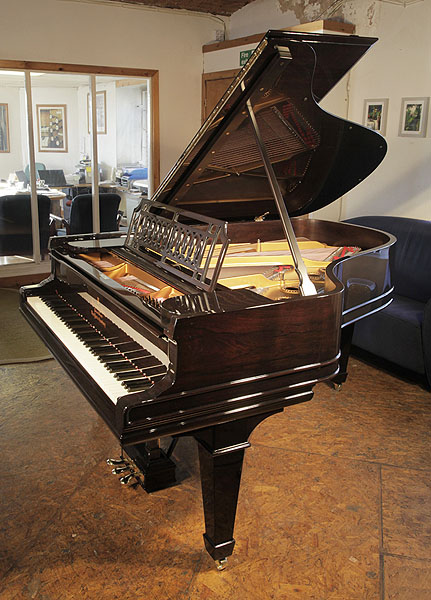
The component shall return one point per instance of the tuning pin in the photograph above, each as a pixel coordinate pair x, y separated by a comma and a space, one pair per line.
127, 479
116, 461
119, 470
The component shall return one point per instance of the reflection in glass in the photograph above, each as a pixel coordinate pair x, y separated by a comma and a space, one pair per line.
61, 104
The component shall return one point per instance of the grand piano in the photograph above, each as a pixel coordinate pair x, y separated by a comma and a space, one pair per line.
224, 303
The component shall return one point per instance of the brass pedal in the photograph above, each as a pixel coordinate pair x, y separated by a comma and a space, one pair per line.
128, 469
122, 469
131, 480
114, 462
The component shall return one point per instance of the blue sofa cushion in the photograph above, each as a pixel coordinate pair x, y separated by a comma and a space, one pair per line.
395, 333
410, 258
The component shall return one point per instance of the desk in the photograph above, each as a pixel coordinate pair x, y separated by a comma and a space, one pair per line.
76, 187
55, 195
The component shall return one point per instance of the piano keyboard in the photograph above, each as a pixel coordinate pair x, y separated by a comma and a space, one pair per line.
99, 340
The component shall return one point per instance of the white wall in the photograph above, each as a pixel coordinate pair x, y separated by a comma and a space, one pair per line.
123, 36
106, 142
261, 15
129, 124
398, 66
67, 96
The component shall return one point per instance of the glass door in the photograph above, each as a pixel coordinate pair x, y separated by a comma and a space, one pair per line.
49, 155
124, 140
16, 236
59, 113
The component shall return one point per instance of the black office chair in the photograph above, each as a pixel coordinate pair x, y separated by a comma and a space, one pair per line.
81, 215
16, 225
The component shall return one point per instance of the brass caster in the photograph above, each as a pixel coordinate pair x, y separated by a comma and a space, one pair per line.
221, 564
338, 387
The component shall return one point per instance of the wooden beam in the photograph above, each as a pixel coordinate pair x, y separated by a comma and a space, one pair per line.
155, 123
22, 65
127, 82
325, 25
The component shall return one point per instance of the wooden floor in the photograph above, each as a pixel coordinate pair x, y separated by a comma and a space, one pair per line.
335, 502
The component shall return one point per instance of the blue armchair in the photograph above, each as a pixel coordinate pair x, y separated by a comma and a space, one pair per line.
401, 333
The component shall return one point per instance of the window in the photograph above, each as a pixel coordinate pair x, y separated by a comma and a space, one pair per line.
50, 150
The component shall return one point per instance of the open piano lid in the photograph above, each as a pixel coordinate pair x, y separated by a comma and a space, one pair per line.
316, 156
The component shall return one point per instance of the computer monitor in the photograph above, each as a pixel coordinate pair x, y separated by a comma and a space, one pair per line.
53, 177
21, 177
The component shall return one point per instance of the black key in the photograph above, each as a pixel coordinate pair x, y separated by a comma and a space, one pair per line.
91, 342
117, 365
127, 346
116, 361
64, 311
131, 374
156, 370
78, 325
91, 335
156, 378
68, 316
135, 355
136, 386
147, 363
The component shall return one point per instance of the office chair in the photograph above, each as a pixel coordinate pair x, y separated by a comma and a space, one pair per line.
38, 166
81, 216
15, 224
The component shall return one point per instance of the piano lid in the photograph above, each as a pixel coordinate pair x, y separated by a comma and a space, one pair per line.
315, 156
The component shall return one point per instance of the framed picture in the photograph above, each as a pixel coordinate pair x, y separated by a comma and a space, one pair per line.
100, 112
414, 116
52, 127
4, 128
375, 114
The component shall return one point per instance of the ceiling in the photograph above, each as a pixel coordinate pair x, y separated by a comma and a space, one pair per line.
215, 7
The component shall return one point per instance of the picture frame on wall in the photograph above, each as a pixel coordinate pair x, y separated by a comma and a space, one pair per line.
414, 117
100, 112
4, 128
376, 114
52, 127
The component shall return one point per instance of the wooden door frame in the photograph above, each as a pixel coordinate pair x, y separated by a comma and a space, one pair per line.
152, 74
228, 74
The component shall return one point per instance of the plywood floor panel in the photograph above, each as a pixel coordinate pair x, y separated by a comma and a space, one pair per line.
334, 503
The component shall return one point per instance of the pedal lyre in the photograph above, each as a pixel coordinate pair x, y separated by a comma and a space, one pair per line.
130, 473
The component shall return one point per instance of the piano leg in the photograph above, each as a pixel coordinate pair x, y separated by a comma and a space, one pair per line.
157, 468
221, 453
345, 345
